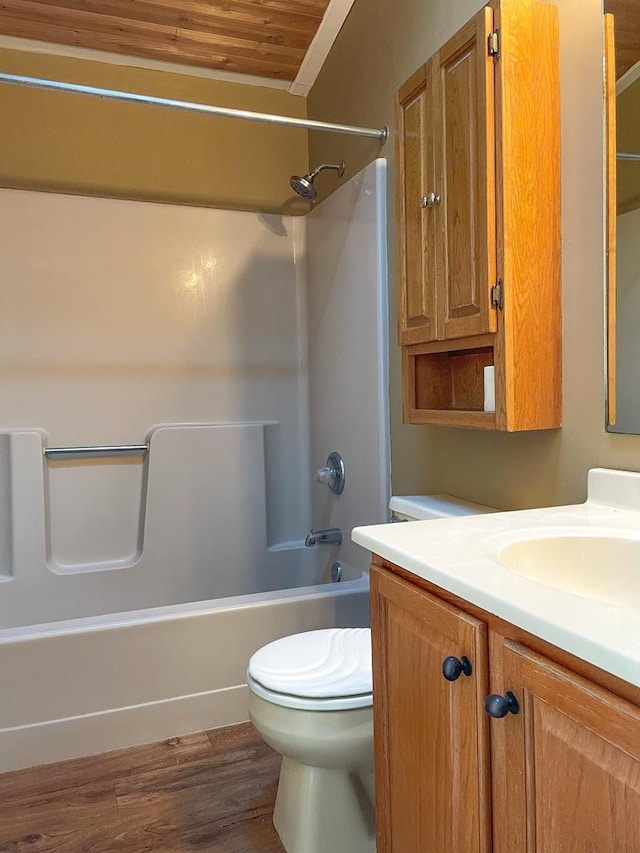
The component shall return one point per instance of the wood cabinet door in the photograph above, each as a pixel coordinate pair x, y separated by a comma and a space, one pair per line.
432, 772
465, 176
416, 230
566, 768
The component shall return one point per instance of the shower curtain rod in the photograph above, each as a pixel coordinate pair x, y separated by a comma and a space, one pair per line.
381, 133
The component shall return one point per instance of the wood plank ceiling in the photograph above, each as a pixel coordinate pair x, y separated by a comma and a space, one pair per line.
266, 38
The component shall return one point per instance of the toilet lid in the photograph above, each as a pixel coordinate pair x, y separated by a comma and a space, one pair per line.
317, 664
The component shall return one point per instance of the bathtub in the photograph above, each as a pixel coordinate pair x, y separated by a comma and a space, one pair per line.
84, 686
133, 591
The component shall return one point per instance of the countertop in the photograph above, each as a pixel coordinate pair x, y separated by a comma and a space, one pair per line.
460, 555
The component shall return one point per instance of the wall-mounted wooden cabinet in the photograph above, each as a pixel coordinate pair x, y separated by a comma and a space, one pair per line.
562, 773
478, 194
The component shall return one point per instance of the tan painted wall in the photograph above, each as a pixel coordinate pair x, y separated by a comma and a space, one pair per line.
74, 144
380, 44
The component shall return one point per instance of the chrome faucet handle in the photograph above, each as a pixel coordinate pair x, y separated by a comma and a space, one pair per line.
323, 475
333, 474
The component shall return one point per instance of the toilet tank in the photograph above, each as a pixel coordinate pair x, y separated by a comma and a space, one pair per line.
428, 507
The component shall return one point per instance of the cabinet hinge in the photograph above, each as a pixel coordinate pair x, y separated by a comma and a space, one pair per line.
497, 295
494, 44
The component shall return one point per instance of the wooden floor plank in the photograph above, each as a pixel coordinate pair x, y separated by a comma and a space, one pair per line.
248, 836
197, 796
52, 812
106, 767
212, 792
243, 736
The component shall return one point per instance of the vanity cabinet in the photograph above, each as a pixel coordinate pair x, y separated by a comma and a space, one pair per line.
478, 223
560, 774
567, 766
430, 733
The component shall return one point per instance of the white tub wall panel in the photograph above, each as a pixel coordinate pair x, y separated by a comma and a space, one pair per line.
348, 339
155, 291
94, 734
28, 524
286, 454
204, 538
75, 674
206, 511
299, 236
123, 314
85, 693
95, 512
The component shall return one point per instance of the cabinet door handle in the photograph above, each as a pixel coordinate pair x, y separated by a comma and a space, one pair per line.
430, 200
452, 668
500, 706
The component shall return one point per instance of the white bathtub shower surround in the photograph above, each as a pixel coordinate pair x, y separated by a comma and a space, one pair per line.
119, 315
199, 529
133, 592
348, 353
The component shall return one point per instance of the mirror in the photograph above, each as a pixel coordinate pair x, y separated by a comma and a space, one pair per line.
622, 64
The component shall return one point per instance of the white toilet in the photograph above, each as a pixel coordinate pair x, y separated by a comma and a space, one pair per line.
311, 700
310, 697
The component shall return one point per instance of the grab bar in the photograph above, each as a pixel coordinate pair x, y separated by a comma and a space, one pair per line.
99, 452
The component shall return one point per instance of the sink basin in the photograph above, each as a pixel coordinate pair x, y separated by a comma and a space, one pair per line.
602, 567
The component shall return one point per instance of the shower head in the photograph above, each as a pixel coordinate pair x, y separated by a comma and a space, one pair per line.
304, 185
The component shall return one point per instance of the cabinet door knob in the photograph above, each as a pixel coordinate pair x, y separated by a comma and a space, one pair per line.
453, 668
430, 200
500, 706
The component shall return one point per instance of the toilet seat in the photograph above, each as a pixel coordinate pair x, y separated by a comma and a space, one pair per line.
302, 703
326, 670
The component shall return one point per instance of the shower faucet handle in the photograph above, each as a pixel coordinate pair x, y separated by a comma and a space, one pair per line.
333, 474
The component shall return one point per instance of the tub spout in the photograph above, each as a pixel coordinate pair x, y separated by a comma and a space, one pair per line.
332, 536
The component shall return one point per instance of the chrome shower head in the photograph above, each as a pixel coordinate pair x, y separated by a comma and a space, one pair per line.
304, 185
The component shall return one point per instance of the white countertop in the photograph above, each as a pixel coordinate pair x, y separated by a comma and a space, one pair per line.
460, 555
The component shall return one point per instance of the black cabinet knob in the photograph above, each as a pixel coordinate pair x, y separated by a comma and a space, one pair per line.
453, 668
500, 706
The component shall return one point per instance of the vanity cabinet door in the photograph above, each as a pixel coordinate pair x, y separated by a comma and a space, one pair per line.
566, 767
432, 771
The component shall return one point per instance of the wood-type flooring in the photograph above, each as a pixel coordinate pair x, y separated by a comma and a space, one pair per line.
211, 792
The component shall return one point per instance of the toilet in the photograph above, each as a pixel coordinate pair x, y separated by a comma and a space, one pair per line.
311, 699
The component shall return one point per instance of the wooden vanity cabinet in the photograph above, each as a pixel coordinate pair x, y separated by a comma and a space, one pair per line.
562, 774
567, 766
430, 734
478, 223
